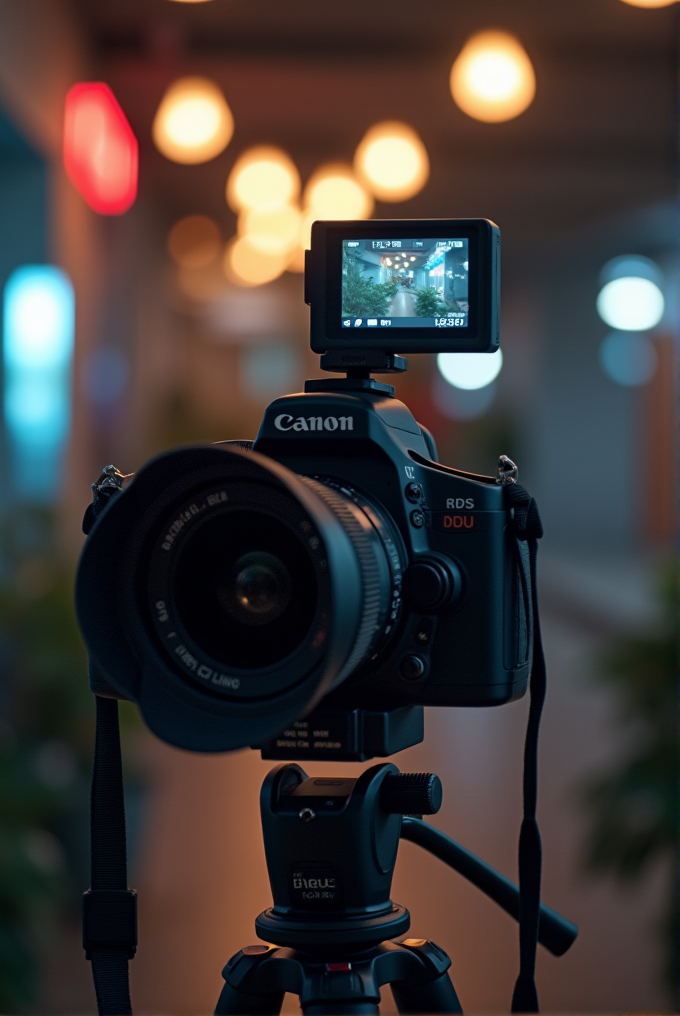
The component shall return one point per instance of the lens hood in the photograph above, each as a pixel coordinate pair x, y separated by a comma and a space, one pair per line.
225, 595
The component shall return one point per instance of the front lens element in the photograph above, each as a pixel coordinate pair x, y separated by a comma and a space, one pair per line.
259, 589
245, 589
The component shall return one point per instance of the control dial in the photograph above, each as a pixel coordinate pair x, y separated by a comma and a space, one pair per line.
432, 585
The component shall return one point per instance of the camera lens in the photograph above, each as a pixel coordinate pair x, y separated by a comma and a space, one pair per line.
237, 593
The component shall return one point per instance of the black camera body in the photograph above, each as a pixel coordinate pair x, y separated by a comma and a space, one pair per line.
310, 592
460, 634
436, 612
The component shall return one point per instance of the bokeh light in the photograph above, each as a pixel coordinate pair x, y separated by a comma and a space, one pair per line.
492, 78
38, 318
194, 241
392, 161
470, 370
193, 122
630, 304
262, 176
628, 358
333, 192
246, 265
100, 149
38, 334
649, 3
274, 229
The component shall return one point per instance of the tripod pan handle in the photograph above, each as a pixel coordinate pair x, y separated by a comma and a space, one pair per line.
555, 932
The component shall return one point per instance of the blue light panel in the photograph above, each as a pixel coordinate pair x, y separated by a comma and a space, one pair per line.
39, 320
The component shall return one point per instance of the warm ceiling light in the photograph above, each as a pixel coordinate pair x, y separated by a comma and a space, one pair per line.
334, 192
245, 265
191, 1
273, 229
194, 241
262, 176
650, 3
392, 161
492, 78
100, 149
193, 122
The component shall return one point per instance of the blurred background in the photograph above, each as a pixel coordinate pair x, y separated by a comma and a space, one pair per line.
160, 164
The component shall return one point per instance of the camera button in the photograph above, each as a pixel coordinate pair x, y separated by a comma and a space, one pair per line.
417, 519
414, 492
412, 668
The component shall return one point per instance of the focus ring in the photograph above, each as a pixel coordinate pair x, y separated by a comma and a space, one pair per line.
344, 510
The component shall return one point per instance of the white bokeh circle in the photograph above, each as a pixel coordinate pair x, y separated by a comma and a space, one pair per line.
631, 304
470, 370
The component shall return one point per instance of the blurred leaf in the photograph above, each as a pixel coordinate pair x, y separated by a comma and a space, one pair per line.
632, 810
46, 731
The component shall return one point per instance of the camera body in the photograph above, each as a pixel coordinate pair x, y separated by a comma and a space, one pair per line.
309, 592
461, 626
453, 627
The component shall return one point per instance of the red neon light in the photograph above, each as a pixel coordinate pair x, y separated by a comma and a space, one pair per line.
100, 149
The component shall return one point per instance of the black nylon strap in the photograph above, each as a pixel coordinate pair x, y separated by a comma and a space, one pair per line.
111, 982
110, 942
525, 997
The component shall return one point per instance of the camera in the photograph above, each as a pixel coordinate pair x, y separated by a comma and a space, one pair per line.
309, 592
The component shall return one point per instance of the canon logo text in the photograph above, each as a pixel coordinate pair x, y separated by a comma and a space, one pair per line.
329, 423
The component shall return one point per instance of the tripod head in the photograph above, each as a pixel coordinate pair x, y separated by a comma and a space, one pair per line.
331, 846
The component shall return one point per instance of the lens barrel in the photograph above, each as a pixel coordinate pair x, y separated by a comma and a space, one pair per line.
226, 595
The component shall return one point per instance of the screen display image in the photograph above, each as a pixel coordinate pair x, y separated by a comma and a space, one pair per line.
405, 283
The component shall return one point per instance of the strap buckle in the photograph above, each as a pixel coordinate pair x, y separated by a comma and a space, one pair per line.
110, 920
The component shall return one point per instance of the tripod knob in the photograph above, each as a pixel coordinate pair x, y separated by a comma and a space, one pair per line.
411, 794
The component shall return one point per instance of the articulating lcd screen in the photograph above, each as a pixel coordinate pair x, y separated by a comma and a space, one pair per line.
405, 283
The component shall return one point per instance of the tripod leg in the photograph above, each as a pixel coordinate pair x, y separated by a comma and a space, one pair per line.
233, 1002
437, 996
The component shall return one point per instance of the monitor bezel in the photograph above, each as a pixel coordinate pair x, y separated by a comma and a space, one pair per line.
323, 286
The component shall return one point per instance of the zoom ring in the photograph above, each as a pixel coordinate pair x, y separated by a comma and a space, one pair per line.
365, 551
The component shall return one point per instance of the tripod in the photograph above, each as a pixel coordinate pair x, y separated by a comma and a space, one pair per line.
331, 846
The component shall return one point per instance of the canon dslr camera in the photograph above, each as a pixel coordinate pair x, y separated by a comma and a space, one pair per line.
307, 593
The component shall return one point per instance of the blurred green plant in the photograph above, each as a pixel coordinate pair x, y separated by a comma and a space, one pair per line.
633, 810
46, 731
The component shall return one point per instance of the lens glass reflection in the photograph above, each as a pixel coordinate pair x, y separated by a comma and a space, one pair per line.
258, 590
245, 589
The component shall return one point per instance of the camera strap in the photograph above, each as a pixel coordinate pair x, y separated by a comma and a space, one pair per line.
525, 997
109, 907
